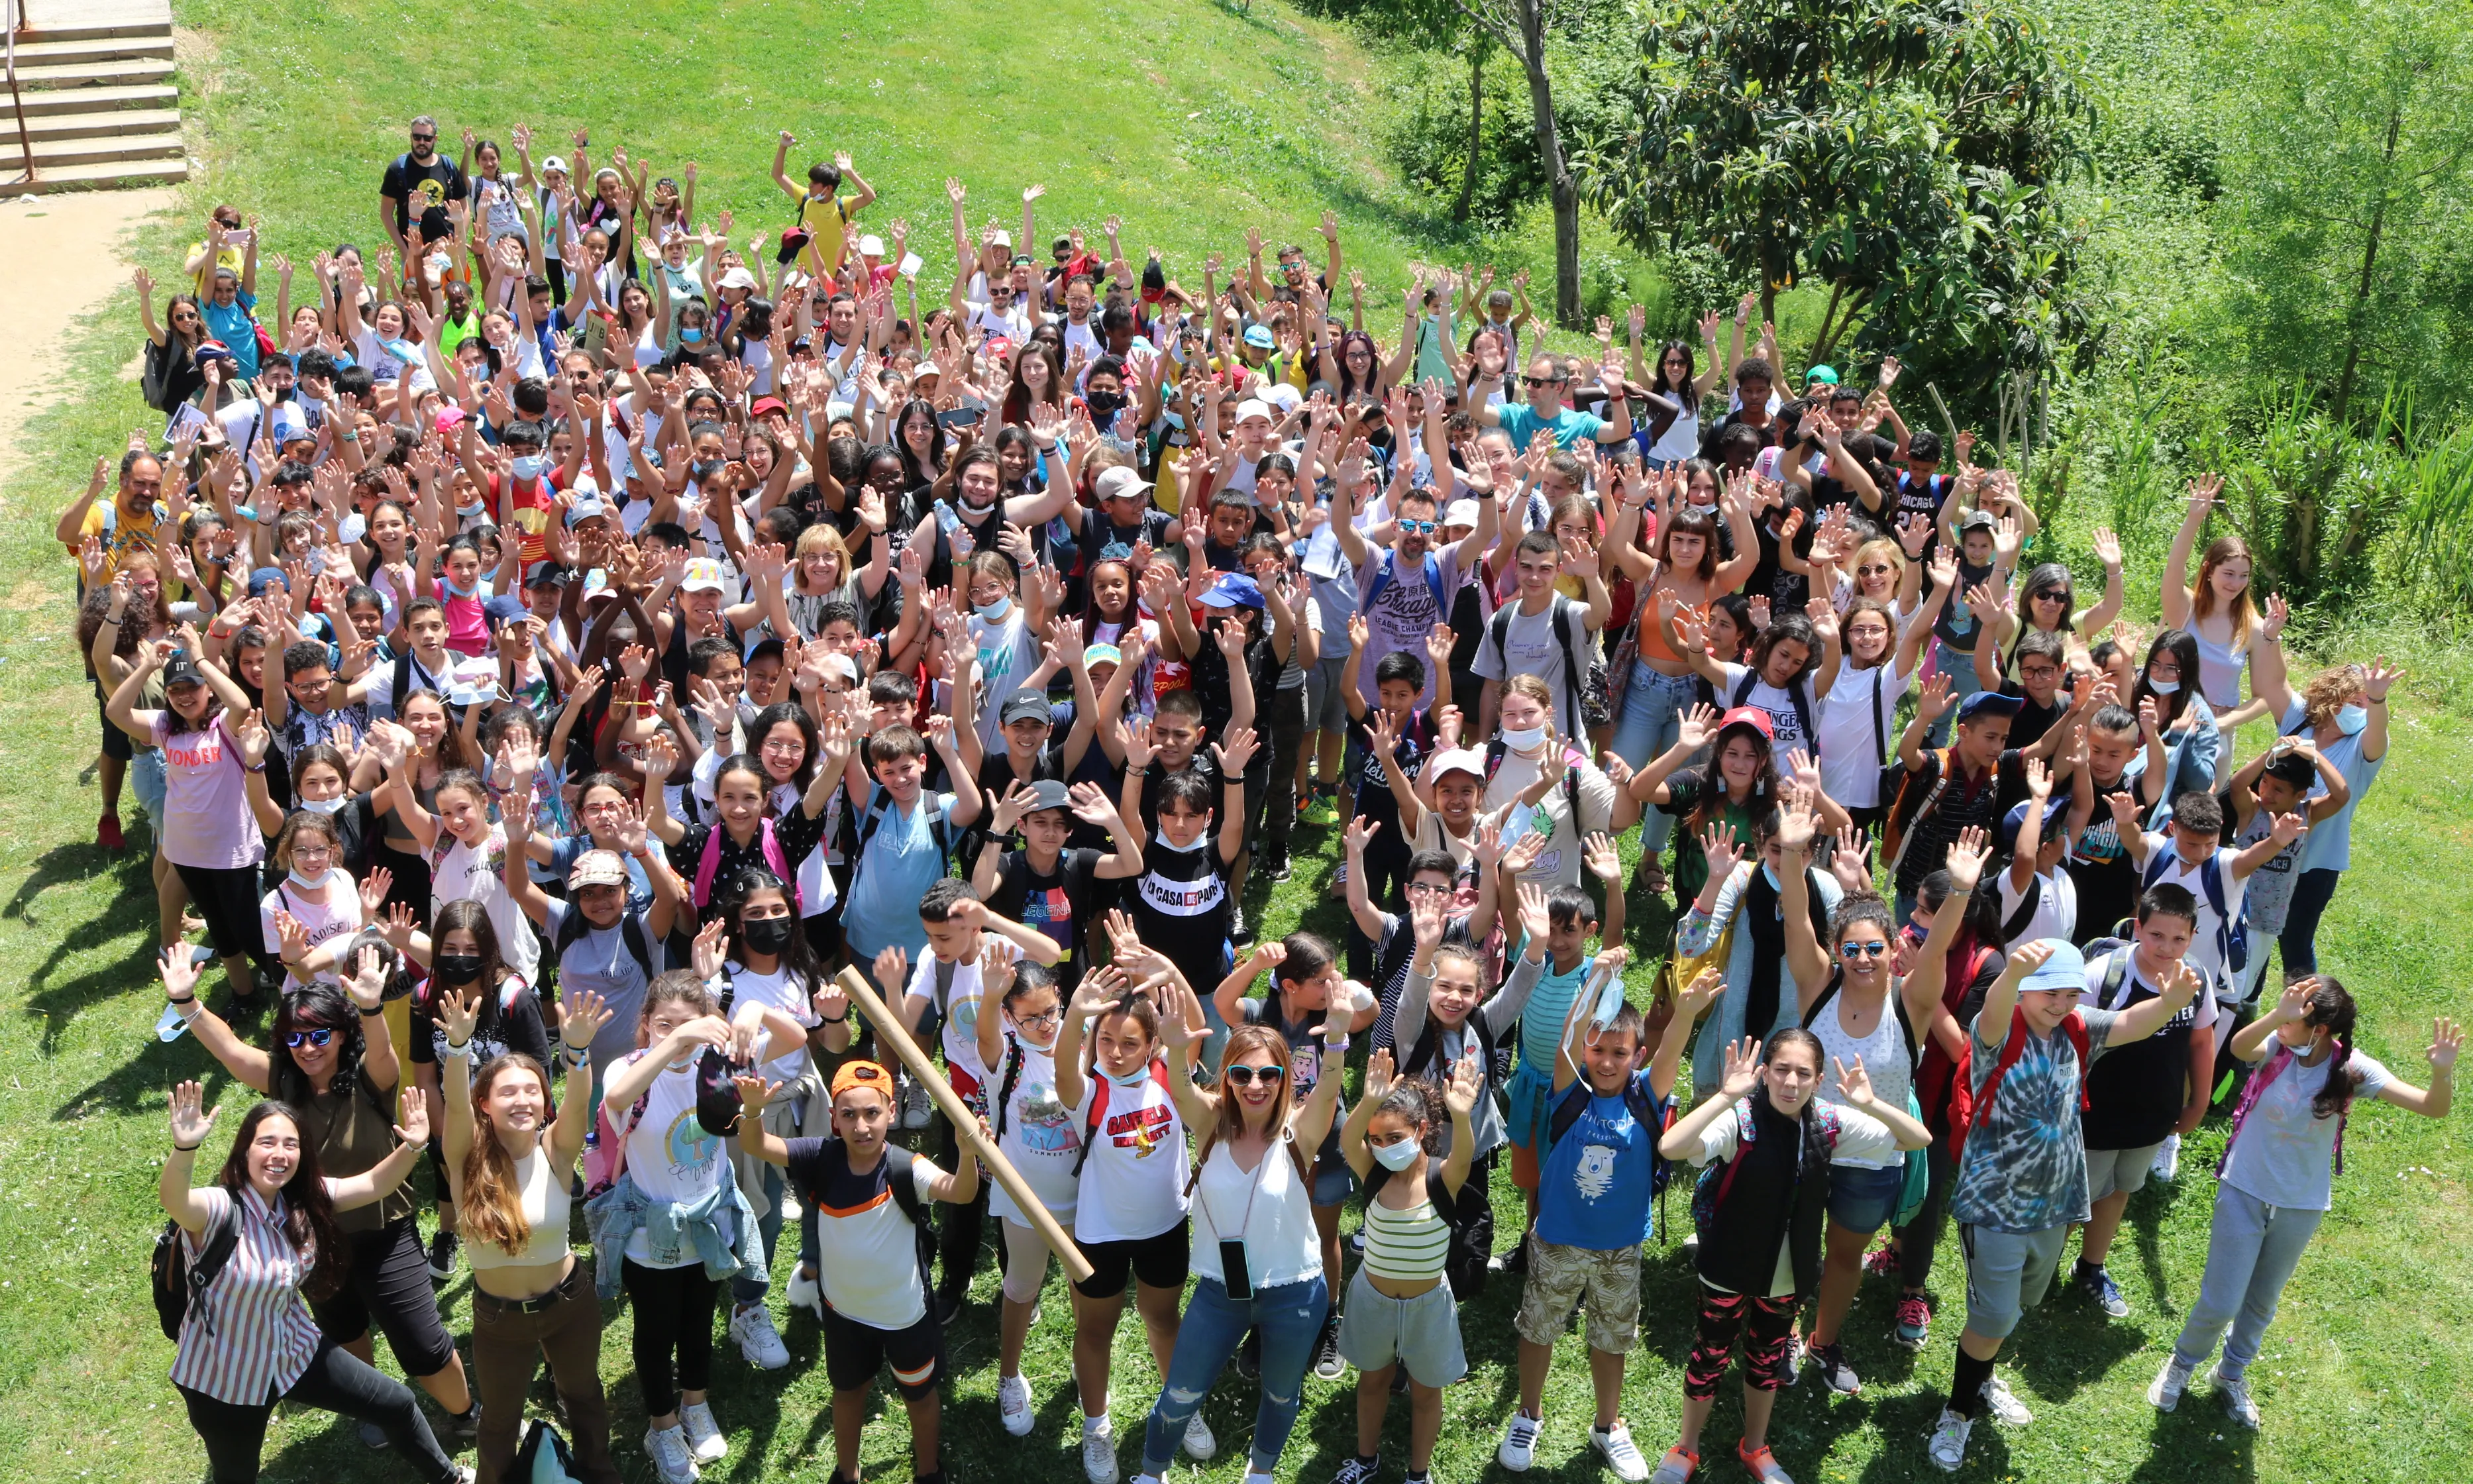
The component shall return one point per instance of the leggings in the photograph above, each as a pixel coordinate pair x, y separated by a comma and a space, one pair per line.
674, 1308
1767, 1325
1287, 732
234, 1433
1917, 1238
958, 1228
2299, 940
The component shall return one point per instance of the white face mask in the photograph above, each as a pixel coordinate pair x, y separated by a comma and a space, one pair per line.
334, 806
2162, 687
1523, 739
1396, 1156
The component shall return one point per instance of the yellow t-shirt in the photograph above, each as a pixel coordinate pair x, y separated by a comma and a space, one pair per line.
128, 533
826, 221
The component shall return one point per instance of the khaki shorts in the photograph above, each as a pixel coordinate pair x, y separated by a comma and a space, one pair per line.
2118, 1171
1560, 1277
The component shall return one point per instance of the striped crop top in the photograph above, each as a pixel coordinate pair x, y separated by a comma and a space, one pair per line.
1405, 1246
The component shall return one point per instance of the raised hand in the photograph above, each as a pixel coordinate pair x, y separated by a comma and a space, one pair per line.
191, 1120
1742, 1068
711, 948
2446, 1040
1535, 919
1699, 994
1966, 858
368, 984
458, 1014
1717, 844
1597, 852
1360, 831
1234, 751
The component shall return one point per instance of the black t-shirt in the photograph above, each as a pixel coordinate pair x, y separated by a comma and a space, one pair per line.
1921, 497
1180, 907
1057, 903
1374, 801
2136, 1092
1956, 613
1203, 764
1212, 685
516, 1027
1963, 803
2027, 727
2100, 866
1787, 591
1711, 439
414, 188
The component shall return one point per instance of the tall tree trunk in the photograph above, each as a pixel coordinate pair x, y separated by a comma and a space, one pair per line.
1563, 191
2369, 261
1477, 127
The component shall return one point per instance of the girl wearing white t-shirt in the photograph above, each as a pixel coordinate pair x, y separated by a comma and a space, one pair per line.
1019, 1020
1856, 716
466, 857
315, 902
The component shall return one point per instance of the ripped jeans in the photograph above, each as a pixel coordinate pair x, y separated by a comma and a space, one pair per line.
1291, 1318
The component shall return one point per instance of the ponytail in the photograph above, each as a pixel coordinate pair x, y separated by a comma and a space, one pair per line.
2330, 1008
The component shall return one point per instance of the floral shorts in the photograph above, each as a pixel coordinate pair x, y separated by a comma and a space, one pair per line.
1560, 1277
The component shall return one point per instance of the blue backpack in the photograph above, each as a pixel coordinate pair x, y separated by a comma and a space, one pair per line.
2232, 929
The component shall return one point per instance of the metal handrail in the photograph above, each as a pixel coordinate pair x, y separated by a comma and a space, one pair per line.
17, 101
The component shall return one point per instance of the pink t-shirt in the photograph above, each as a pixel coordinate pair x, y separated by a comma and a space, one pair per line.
467, 627
207, 819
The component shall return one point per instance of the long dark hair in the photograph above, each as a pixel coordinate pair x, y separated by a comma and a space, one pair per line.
1688, 393
1690, 520
473, 917
312, 1005
913, 472
308, 1213
1758, 803
799, 958
2053, 574
1783, 628
766, 720
2183, 646
2330, 1009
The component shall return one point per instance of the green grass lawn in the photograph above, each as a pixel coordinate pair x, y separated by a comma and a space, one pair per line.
1176, 116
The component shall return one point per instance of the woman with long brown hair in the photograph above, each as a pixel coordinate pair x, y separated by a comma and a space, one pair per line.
512, 1178
2218, 608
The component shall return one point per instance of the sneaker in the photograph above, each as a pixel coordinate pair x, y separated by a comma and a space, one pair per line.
1013, 1404
373, 1437
106, 833
1515, 1261
1881, 1262
457, 1433
1200, 1445
1322, 809
1519, 1446
441, 1256
1359, 1470
914, 1104
1691, 1243
2007, 1409
1278, 869
703, 1435
1328, 1363
1795, 1353
1240, 931
2098, 1284
1249, 1356
667, 1447
1615, 1445
2234, 1391
1947, 1448
2168, 1160
808, 1294
1762, 1463
759, 1342
2165, 1391
949, 1305
1829, 1363
1677, 1466
1098, 1451
790, 1206
1914, 1320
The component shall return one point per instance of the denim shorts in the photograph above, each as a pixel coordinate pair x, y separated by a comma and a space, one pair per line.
1863, 1200
147, 776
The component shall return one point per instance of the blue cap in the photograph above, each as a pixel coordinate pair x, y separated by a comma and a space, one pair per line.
2065, 970
506, 608
2016, 819
267, 577
1259, 337
1232, 589
1991, 703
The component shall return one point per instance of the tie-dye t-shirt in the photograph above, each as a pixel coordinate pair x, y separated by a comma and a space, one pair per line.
2024, 1168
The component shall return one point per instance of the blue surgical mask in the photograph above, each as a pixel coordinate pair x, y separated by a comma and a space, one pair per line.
690, 336
1521, 739
1140, 1075
1396, 1156
531, 465
469, 512
453, 592
1768, 873
2351, 719
994, 612
2162, 687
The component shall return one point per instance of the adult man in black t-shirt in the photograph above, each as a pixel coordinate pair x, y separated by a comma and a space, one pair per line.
421, 173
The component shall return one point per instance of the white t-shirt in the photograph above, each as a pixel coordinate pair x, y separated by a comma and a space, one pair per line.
782, 991
1862, 1139
1529, 647
459, 873
1849, 761
339, 915
1132, 1184
958, 1031
1560, 864
1008, 651
1276, 1220
2207, 954
2284, 1153
2056, 909
1041, 1136
1786, 725
669, 1154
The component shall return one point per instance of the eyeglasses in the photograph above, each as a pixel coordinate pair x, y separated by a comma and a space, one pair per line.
1044, 1018
1428, 889
1410, 527
1861, 950
1247, 1076
318, 1035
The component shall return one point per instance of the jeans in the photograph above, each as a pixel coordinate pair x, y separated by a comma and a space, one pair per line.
2299, 940
234, 1433
2252, 1249
1959, 666
768, 1227
1289, 1318
1651, 719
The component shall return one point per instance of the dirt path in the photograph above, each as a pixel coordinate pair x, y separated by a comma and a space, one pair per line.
68, 255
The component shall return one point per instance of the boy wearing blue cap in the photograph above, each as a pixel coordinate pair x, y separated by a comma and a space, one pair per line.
2022, 1172
2038, 900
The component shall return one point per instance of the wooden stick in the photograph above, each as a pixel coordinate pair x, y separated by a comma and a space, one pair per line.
966, 1123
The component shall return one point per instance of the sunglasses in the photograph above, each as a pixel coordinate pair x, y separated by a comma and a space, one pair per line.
1534, 382
1876, 570
424, 138
1418, 527
1861, 950
2050, 595
1247, 1076
318, 1035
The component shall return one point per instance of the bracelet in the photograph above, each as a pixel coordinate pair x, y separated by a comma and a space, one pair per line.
459, 1053
246, 767
115, 622
840, 1020
184, 999
576, 1056
181, 1148
367, 1013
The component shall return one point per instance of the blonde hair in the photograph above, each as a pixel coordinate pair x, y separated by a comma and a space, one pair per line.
1242, 1041
2244, 612
820, 537
1533, 687
489, 1209
1879, 546
2330, 691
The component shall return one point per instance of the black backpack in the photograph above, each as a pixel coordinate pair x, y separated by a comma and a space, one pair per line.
181, 1281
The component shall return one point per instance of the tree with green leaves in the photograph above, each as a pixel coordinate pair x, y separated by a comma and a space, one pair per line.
1902, 154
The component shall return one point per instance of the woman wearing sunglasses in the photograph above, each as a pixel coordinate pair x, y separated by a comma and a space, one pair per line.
330, 1058
1865, 1014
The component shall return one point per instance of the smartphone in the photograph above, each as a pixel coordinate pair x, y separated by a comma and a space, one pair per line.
959, 418
1234, 1275
239, 241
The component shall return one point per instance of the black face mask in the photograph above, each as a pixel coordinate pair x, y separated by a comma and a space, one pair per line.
769, 935
1104, 404
457, 968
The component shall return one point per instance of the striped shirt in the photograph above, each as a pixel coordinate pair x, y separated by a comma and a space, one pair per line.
1405, 1246
251, 1337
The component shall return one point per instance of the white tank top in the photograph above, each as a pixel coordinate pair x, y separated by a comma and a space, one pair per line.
544, 1202
1276, 1220
1884, 1061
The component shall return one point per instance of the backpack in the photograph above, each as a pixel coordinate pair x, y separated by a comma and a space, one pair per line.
1472, 1232
1797, 691
2013, 1046
904, 1187
709, 863
1385, 573
181, 1281
1558, 611
940, 829
2232, 929
2277, 1062
572, 926
1100, 1086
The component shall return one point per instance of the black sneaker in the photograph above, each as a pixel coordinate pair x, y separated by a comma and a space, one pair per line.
1249, 1356
1359, 1470
1399, 1380
1279, 869
373, 1437
1829, 1363
948, 1304
457, 1433
1514, 1261
441, 1256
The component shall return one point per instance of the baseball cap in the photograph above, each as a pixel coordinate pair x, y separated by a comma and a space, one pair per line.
702, 574
1822, 373
597, 868
871, 245
449, 416
1259, 337
1461, 512
736, 278
557, 162
763, 645
505, 607
549, 574
1232, 589
1458, 759
1253, 407
1002, 239
2016, 819
1283, 396
862, 1074
1751, 716
1048, 794
1988, 703
1978, 520
213, 350
182, 670
1119, 483
2064, 973
1102, 654
792, 241
765, 406
291, 428
1024, 706
588, 508
264, 578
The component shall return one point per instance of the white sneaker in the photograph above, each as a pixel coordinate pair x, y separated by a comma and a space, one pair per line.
1518, 1447
2165, 1392
1200, 1445
790, 1205
2168, 1160
757, 1340
2234, 1391
1098, 1451
667, 1447
1013, 1404
808, 1294
1620, 1454
1948, 1446
703, 1435
914, 1104
2007, 1409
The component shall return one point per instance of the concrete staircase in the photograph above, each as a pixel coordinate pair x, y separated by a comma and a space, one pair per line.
94, 85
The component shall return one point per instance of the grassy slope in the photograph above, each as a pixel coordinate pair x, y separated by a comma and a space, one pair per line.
2364, 1378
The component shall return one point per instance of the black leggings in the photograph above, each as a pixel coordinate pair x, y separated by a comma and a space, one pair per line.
234, 1433
958, 1228
1286, 734
227, 898
389, 1285
674, 1309
1917, 1238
